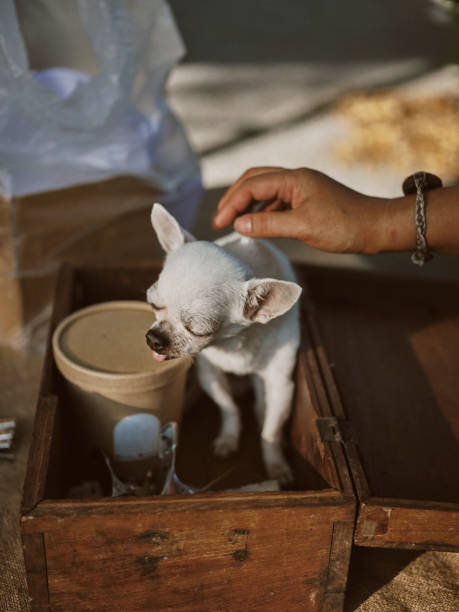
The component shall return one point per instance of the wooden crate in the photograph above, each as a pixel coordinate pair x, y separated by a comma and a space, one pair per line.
286, 550
372, 441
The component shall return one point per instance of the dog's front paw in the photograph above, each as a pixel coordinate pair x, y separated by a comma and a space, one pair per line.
225, 445
280, 470
275, 463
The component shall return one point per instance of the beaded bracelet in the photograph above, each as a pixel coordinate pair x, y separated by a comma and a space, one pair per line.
418, 183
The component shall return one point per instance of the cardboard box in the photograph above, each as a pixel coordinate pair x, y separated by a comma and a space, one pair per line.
108, 221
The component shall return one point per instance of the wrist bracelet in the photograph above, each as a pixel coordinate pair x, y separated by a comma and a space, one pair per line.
418, 183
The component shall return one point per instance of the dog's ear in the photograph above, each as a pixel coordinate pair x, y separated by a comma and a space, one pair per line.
170, 233
268, 298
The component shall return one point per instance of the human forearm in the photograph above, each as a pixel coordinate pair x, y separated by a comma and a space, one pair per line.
394, 229
329, 216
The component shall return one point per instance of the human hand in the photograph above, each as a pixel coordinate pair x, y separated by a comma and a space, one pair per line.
321, 212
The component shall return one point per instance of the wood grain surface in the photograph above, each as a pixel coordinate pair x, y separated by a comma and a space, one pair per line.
392, 345
410, 524
210, 551
271, 556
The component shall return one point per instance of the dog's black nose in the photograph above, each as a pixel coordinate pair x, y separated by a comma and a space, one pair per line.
156, 341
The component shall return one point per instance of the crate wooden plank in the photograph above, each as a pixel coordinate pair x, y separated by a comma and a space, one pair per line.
47, 512
340, 553
390, 523
334, 403
270, 555
310, 450
390, 361
318, 382
39, 453
37, 572
62, 306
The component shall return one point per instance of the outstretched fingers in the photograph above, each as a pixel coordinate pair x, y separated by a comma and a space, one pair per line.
265, 185
277, 224
250, 173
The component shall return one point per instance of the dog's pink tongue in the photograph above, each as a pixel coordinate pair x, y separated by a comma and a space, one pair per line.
158, 356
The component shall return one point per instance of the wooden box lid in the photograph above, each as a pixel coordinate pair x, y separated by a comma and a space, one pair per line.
387, 350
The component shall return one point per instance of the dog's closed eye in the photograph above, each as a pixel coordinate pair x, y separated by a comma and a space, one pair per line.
152, 298
199, 325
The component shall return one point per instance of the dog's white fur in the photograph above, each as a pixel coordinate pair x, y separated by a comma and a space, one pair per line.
233, 304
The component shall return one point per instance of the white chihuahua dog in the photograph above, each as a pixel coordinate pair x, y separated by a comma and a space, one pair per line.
232, 304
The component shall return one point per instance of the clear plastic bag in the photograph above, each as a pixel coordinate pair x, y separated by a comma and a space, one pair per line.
88, 142
60, 126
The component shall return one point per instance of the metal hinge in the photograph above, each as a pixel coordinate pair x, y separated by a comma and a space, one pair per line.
332, 429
